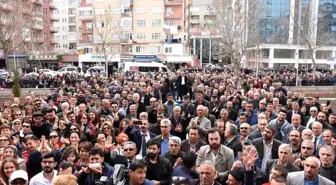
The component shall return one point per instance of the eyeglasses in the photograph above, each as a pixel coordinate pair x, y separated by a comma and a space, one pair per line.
37, 104
26, 126
164, 126
3, 140
16, 123
53, 137
244, 128
128, 149
308, 148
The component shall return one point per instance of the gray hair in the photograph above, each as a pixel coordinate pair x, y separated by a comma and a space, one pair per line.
175, 139
232, 129
144, 114
284, 145
65, 104
130, 143
166, 121
177, 107
327, 147
219, 121
208, 163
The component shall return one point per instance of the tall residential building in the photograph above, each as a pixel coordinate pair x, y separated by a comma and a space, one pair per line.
33, 20
65, 24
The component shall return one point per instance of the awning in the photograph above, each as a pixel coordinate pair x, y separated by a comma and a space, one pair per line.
179, 59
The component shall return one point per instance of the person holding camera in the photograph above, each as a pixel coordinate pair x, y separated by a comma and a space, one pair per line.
91, 174
137, 173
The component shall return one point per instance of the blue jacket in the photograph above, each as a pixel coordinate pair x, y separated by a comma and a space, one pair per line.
182, 171
86, 179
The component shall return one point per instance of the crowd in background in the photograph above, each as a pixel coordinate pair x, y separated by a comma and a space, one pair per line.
188, 127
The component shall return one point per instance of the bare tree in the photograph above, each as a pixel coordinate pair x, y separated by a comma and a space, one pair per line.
228, 19
106, 29
16, 21
311, 27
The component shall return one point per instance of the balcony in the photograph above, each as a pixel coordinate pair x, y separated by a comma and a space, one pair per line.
173, 16
37, 26
71, 14
72, 22
173, 2
52, 6
53, 41
127, 14
194, 21
53, 30
86, 30
39, 2
173, 41
52, 18
86, 41
86, 17
126, 41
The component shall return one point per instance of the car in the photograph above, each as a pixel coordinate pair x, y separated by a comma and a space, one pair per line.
48, 72
69, 69
3, 73
144, 67
32, 75
92, 71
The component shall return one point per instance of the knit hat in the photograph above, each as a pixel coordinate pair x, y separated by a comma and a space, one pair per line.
238, 175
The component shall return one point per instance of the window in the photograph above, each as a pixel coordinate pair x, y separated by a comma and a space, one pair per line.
156, 36
116, 11
65, 37
140, 10
64, 19
169, 11
156, 23
64, 28
168, 50
128, 36
57, 28
65, 46
148, 69
156, 10
333, 28
141, 36
155, 49
45, 11
140, 49
127, 23
170, 22
333, 15
141, 23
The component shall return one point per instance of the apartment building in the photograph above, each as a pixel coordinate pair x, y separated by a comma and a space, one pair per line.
65, 25
35, 27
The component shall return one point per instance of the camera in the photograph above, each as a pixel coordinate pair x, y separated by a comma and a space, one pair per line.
138, 122
179, 180
119, 177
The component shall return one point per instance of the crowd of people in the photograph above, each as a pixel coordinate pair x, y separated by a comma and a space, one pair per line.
286, 77
198, 128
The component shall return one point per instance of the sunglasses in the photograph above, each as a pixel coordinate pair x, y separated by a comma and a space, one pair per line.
244, 128
53, 137
26, 126
37, 104
164, 126
16, 123
128, 149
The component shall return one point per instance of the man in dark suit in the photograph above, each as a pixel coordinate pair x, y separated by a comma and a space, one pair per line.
182, 82
193, 144
200, 100
269, 143
188, 109
232, 141
285, 152
129, 154
207, 168
117, 116
140, 135
179, 123
295, 125
295, 110
140, 105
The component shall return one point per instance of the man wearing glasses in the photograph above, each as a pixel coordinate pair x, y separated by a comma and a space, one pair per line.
48, 173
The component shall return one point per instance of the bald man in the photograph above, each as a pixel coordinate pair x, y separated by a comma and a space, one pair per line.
309, 175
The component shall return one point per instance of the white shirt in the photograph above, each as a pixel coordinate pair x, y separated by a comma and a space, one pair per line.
182, 80
267, 154
39, 179
147, 137
310, 121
